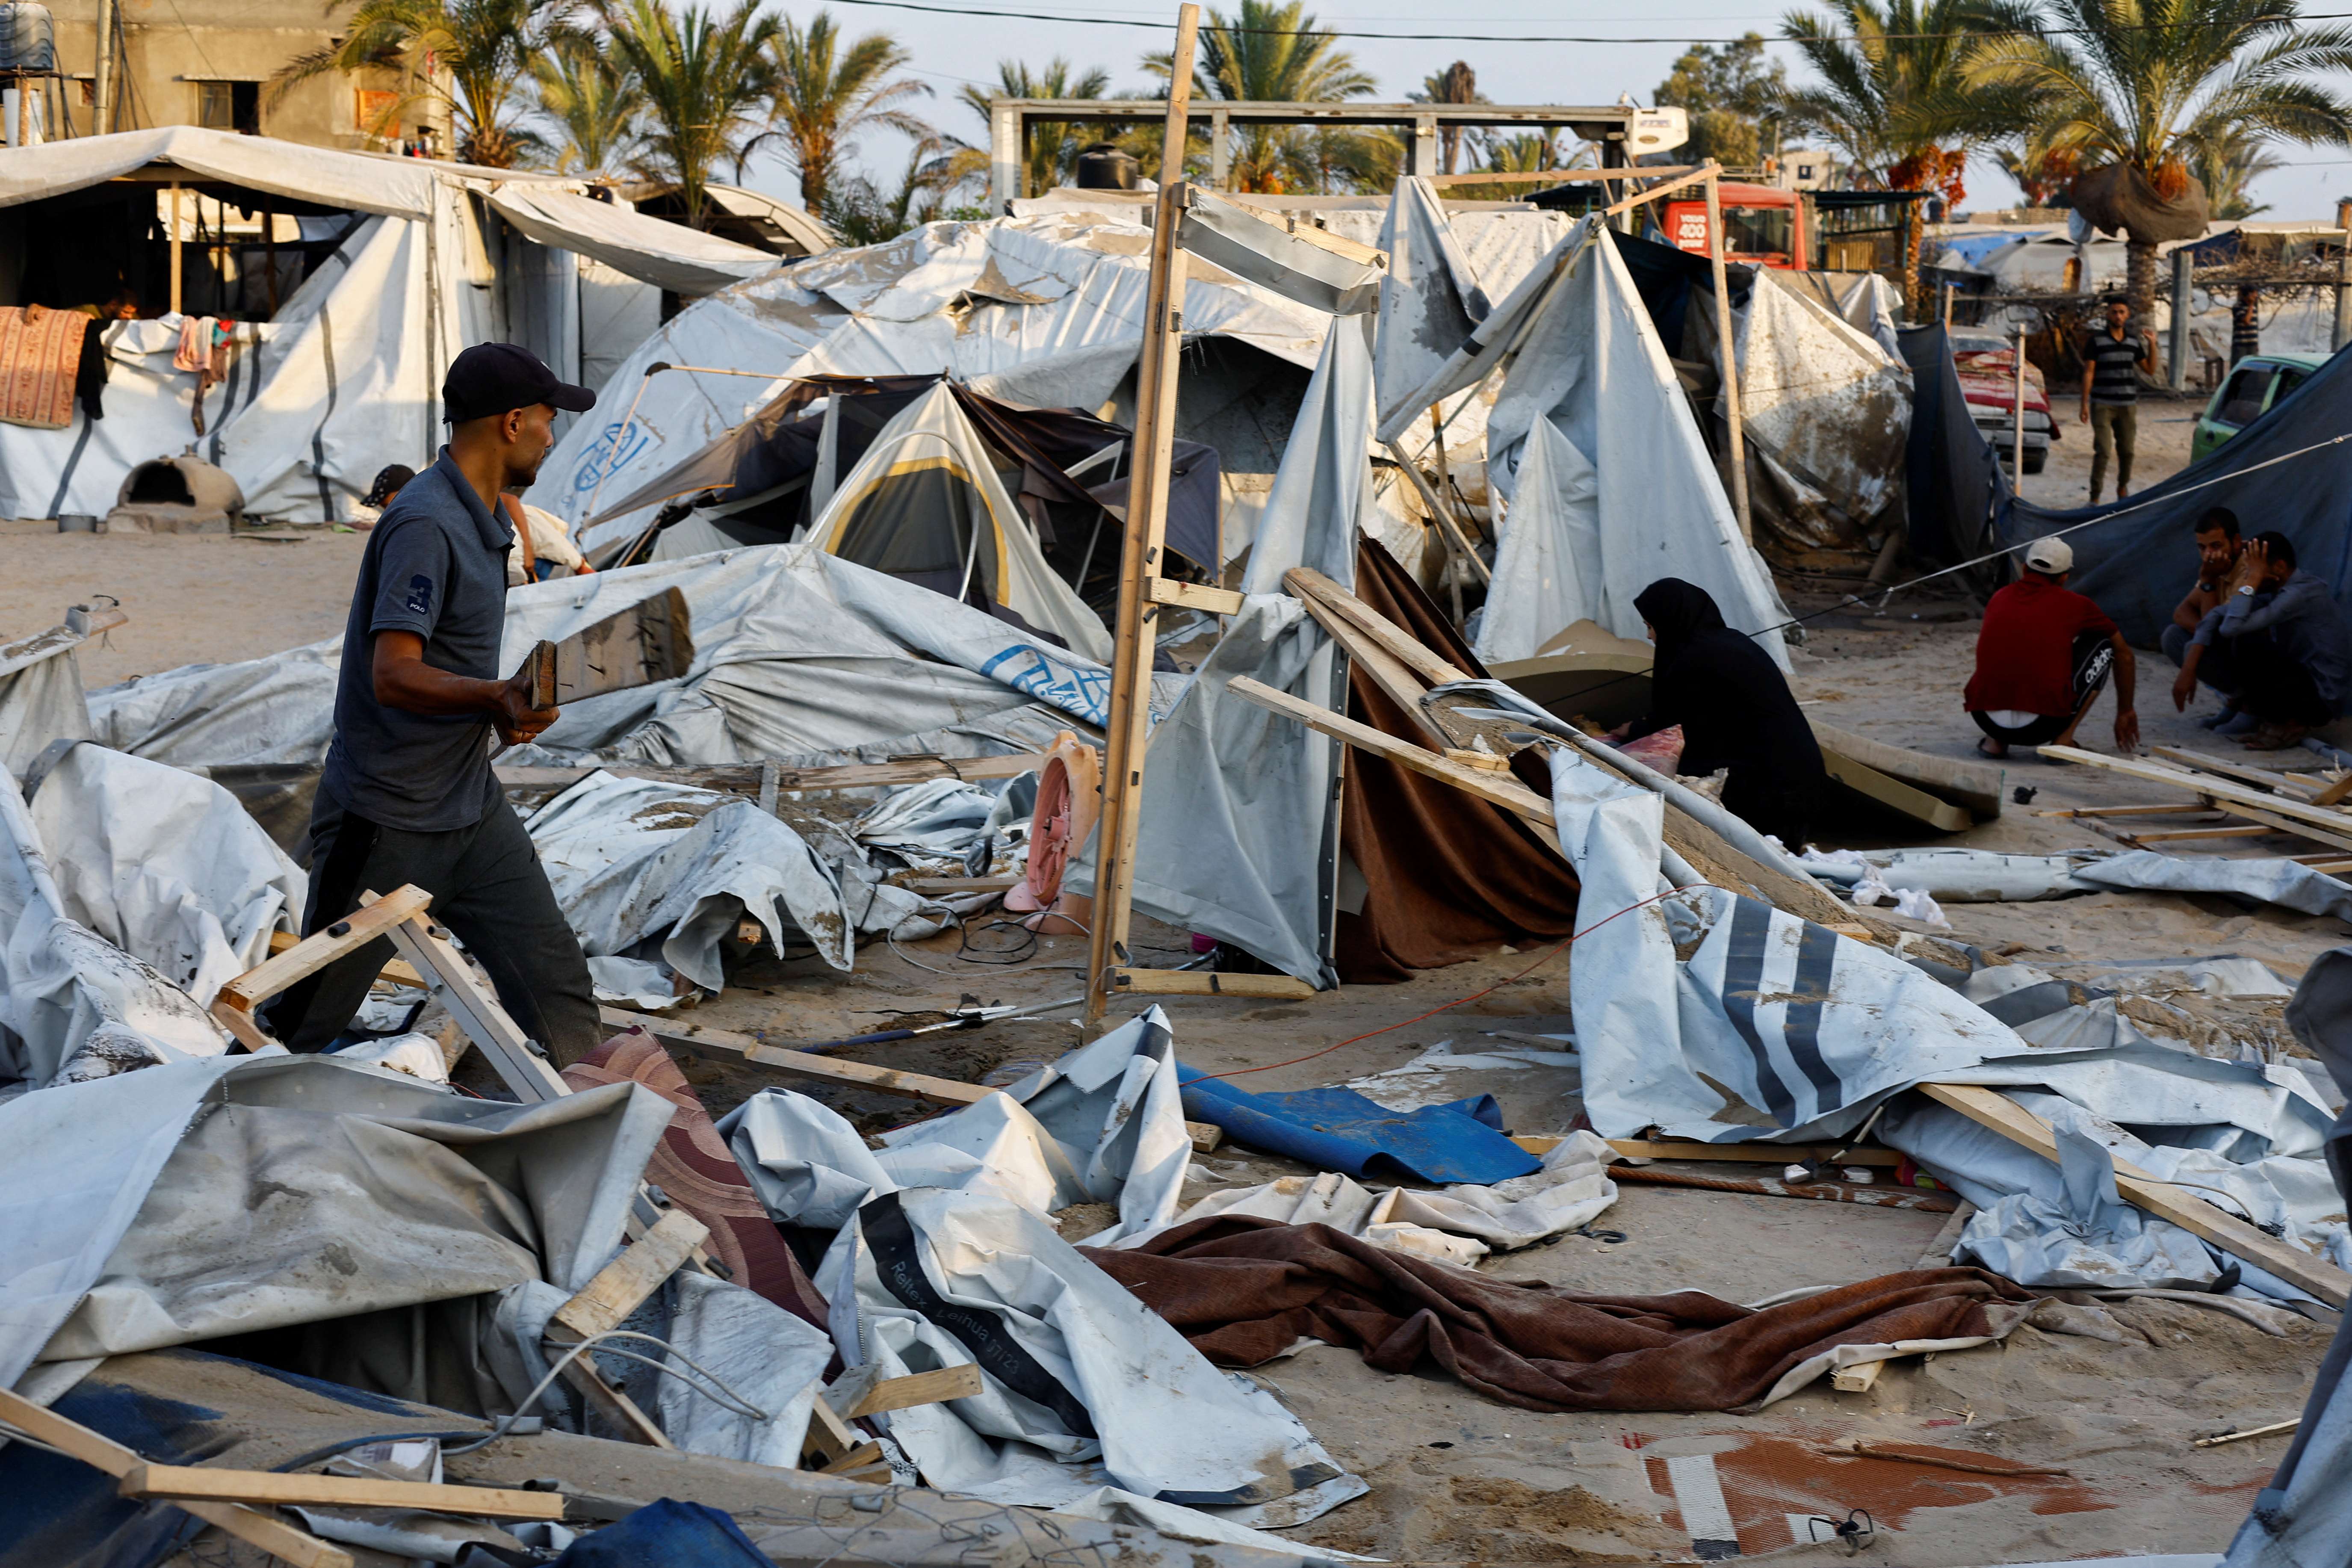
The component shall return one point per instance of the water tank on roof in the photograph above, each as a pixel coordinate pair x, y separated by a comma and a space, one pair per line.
27, 38
1103, 167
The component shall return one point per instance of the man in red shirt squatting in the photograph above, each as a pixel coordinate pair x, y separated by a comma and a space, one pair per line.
2042, 657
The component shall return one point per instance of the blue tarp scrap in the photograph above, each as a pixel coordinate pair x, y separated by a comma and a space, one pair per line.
1339, 1130
669, 1534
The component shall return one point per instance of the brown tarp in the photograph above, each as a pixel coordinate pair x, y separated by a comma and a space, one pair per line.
1449, 876
1243, 1290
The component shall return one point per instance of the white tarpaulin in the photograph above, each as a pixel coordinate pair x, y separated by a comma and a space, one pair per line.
1551, 536
345, 378
202, 1198
72, 1005
165, 865
41, 696
1983, 876
1431, 299
668, 255
1046, 312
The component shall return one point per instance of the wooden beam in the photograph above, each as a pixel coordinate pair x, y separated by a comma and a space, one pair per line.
1456, 543
2286, 784
623, 1285
1742, 1154
103, 1453
1383, 668
1196, 596
722, 1045
2183, 1208
919, 1388
1666, 189
1857, 1378
1727, 356
2175, 834
2223, 791
520, 1065
1894, 794
1207, 983
396, 972
1497, 789
1127, 729
2187, 808
1560, 176
1402, 646
2340, 839
269, 1488
234, 1004
2334, 793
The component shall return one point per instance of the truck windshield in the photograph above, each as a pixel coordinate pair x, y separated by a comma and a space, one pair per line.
1760, 231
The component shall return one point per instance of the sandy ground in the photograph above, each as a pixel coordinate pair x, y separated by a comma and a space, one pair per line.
2165, 426
193, 598
1455, 1476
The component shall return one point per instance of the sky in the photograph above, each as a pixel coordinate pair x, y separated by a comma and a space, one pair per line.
950, 51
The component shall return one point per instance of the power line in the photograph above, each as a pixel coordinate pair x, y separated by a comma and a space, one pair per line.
1101, 21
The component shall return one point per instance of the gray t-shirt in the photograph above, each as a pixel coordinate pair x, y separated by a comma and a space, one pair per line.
435, 565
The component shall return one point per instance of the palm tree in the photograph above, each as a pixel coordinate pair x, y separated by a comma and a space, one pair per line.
1889, 95
1269, 52
1457, 83
469, 57
825, 93
703, 75
1532, 152
2229, 170
2154, 85
593, 102
862, 214
1053, 145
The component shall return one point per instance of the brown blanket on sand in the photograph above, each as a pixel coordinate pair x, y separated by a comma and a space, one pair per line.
1243, 1290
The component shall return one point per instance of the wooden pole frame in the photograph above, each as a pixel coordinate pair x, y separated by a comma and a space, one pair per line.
1726, 356
1126, 731
175, 247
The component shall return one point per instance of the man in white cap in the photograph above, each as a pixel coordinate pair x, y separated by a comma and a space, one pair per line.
2043, 655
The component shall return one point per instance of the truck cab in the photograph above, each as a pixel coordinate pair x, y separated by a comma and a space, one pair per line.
1763, 225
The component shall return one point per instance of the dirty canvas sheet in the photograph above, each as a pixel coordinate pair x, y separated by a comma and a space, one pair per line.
1983, 876
1246, 1291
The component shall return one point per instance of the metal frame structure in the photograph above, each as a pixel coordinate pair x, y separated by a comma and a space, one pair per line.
1606, 126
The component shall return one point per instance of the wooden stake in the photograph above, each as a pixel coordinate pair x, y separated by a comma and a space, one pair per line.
1727, 356
1128, 730
175, 248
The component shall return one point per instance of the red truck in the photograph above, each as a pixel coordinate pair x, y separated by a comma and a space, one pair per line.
1987, 365
1763, 225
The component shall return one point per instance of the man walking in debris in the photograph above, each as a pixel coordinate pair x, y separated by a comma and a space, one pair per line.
2042, 657
2282, 642
2112, 362
407, 794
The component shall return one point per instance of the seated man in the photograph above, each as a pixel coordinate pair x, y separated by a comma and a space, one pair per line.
2289, 653
2042, 657
2218, 550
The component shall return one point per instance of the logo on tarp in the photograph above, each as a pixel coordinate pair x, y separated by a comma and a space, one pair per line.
614, 448
1083, 693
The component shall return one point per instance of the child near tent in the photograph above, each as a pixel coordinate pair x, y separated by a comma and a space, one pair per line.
2043, 655
381, 494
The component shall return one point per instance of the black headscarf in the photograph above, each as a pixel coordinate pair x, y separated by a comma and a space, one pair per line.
1735, 709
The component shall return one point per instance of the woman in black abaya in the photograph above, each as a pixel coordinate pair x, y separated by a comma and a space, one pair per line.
1736, 712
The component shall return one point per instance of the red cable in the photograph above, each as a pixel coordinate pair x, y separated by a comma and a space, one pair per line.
1433, 1012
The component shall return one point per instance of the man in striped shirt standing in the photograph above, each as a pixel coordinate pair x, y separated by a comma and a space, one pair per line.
2112, 362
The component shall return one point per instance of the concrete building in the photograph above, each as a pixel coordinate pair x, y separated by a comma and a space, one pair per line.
203, 62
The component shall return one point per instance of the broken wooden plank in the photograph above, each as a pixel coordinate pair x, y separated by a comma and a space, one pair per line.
1974, 786
1194, 597
104, 1454
623, 1285
2340, 838
2179, 835
829, 1439
2183, 1208
2287, 785
270, 1488
1205, 1135
862, 1463
1761, 1153
1894, 793
723, 1045
935, 1387
1308, 583
519, 1061
1857, 1378
649, 641
1401, 685
2224, 793
1208, 983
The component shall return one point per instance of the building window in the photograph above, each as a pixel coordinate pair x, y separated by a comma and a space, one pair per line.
229, 106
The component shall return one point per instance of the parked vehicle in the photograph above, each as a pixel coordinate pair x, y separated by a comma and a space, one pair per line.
1761, 223
1988, 366
2254, 386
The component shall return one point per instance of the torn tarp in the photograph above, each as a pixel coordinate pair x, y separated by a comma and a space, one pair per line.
1983, 876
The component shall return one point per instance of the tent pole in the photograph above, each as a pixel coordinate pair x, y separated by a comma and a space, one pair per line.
175, 248
1129, 709
102, 90
1726, 353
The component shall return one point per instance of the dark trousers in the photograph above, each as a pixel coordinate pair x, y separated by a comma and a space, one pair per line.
2094, 659
2217, 670
2271, 686
489, 889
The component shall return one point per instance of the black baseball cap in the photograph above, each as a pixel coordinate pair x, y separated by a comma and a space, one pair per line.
496, 378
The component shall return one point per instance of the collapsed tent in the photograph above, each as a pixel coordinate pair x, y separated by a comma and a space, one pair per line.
342, 292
